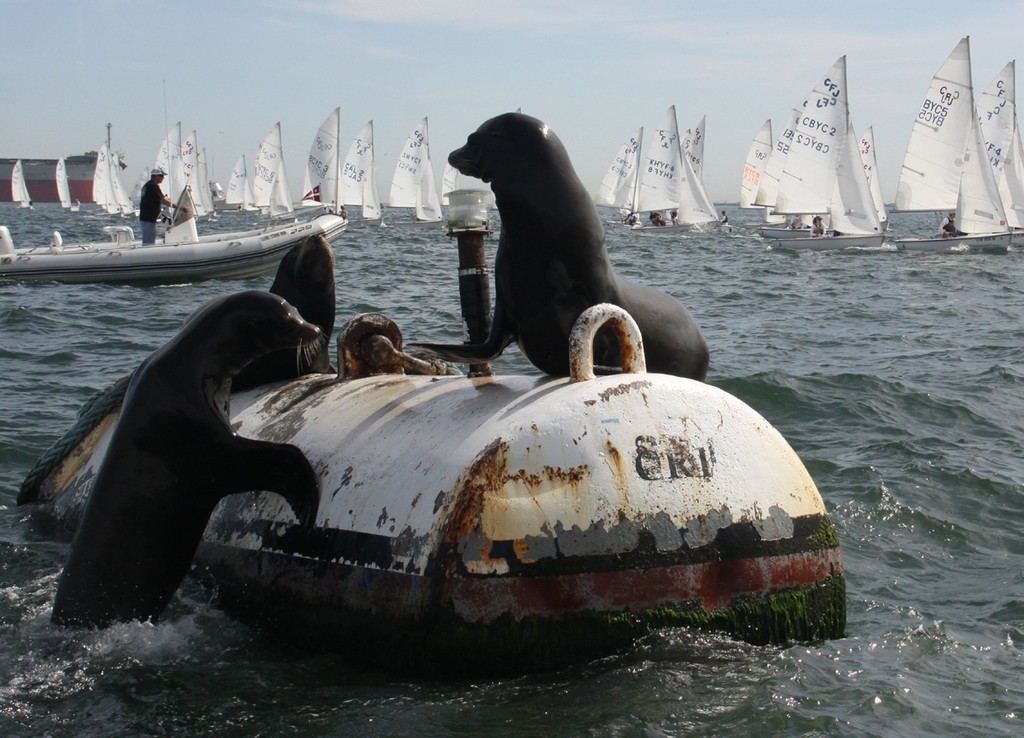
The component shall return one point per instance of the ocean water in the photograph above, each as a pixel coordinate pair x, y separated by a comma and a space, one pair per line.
898, 378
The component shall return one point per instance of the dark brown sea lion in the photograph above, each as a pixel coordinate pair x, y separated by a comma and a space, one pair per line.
305, 278
173, 456
552, 264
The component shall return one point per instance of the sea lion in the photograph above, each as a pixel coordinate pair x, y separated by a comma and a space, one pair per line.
305, 278
552, 264
173, 456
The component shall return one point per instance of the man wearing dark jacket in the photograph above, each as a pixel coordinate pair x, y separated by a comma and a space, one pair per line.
151, 200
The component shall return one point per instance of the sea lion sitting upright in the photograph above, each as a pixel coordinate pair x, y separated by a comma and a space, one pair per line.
173, 456
305, 278
551, 262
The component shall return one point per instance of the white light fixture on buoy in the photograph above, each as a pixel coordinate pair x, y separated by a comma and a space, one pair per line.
467, 211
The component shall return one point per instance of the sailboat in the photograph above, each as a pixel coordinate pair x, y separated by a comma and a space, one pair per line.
239, 194
853, 216
1011, 186
668, 182
19, 188
63, 189
997, 113
107, 190
193, 176
168, 158
322, 179
946, 169
270, 181
870, 162
823, 171
768, 190
359, 176
693, 147
413, 185
754, 169
619, 186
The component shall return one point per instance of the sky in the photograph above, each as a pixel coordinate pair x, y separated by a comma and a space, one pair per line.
593, 70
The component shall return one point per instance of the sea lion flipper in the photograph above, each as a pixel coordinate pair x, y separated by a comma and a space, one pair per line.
470, 353
283, 469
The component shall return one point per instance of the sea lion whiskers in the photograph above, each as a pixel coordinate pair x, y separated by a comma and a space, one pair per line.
306, 351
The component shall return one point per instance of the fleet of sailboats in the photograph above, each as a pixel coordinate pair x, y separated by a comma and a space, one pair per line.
965, 156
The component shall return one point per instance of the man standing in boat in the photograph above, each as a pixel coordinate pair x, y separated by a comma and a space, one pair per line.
150, 202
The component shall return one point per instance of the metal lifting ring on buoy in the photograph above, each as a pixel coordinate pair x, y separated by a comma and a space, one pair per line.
581, 341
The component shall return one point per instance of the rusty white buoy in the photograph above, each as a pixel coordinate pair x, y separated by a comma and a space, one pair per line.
495, 524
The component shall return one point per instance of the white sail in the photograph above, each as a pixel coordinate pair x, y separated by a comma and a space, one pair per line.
270, 182
102, 188
449, 182
1011, 184
19, 188
660, 171
429, 205
63, 190
695, 206
117, 188
753, 166
870, 163
996, 114
323, 164
930, 174
852, 208
190, 167
693, 148
359, 179
202, 184
239, 191
618, 188
168, 158
979, 208
816, 136
413, 184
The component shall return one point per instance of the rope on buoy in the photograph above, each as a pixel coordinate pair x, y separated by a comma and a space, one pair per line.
91, 414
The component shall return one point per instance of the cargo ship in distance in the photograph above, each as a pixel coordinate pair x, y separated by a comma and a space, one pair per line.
41, 177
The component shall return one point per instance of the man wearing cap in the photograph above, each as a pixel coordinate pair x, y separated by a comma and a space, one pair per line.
149, 205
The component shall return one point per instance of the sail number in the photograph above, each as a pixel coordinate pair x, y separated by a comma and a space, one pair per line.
670, 457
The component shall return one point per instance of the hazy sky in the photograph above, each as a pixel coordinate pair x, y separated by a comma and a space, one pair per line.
594, 70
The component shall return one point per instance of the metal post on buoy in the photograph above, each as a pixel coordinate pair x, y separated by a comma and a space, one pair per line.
468, 222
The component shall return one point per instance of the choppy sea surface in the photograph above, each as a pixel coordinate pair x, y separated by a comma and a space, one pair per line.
897, 377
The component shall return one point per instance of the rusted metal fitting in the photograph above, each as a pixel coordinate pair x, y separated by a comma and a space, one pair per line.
581, 341
371, 344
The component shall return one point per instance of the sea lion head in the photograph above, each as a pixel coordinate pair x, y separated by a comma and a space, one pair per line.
235, 329
305, 278
507, 145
